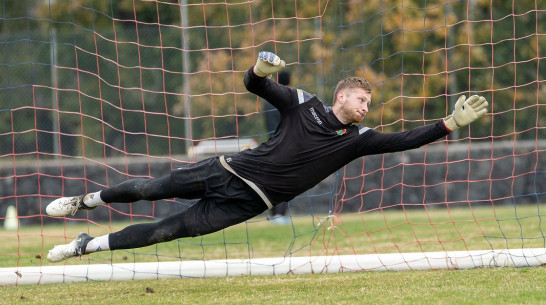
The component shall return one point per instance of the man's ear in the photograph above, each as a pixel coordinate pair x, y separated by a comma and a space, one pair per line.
340, 97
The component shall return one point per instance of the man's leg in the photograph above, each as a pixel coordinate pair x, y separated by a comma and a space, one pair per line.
134, 236
204, 217
128, 191
232, 201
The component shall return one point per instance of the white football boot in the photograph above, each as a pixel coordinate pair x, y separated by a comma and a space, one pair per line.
66, 205
75, 248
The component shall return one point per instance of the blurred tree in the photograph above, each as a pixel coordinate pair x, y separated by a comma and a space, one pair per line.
124, 64
421, 55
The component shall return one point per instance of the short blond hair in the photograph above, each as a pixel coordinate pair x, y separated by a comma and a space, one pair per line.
352, 83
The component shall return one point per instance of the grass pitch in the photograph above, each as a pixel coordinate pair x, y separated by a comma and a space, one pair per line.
478, 286
381, 231
362, 233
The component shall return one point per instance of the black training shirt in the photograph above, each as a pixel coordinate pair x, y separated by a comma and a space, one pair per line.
310, 143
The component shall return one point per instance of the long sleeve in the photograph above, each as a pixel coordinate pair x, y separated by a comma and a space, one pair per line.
282, 97
375, 142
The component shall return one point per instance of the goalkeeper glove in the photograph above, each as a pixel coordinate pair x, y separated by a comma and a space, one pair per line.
267, 64
466, 111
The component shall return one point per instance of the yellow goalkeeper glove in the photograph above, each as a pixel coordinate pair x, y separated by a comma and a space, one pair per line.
466, 111
267, 64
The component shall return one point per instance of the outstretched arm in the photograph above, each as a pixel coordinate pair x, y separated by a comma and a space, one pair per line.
465, 112
374, 142
257, 82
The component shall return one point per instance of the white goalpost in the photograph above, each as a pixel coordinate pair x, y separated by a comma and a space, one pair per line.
274, 266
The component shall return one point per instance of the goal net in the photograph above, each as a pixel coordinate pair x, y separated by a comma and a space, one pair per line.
97, 92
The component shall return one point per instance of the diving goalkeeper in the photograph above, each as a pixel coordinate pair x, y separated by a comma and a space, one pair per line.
311, 142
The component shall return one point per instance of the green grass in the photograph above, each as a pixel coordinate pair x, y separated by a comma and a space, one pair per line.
362, 233
380, 231
478, 286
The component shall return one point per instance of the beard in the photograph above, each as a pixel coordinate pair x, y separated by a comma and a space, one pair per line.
354, 116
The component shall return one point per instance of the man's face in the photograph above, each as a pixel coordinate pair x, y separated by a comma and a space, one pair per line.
354, 104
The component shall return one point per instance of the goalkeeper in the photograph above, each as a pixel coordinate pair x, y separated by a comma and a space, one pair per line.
311, 142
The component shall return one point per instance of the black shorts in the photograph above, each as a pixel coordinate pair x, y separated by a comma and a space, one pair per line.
224, 199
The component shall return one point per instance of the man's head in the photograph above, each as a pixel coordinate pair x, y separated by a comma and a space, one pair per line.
352, 97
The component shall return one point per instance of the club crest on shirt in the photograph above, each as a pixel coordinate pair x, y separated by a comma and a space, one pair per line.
341, 132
